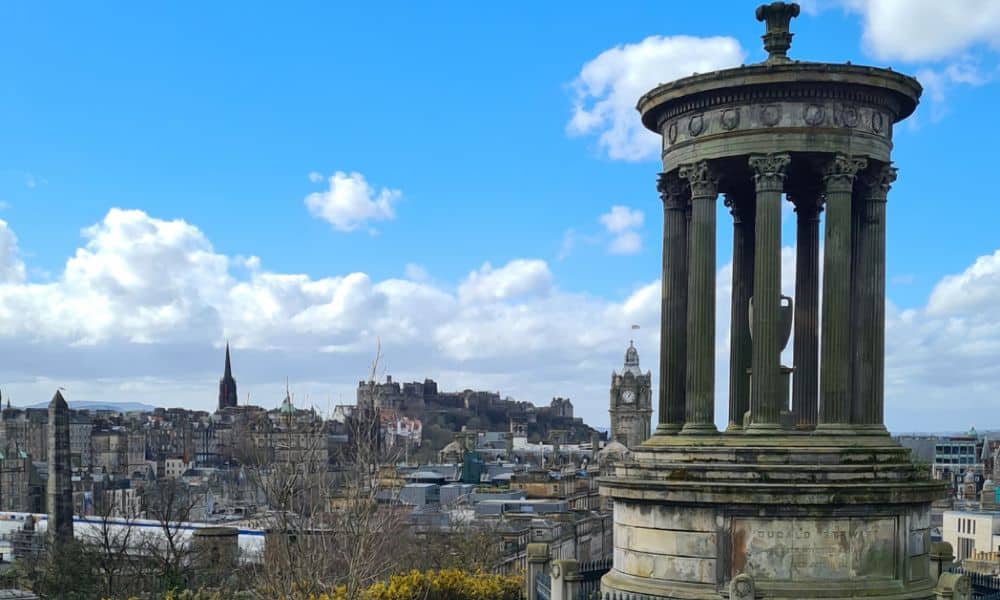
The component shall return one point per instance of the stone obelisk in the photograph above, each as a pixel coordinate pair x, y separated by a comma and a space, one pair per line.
60, 486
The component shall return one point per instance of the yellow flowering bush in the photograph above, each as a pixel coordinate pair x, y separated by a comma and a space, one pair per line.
446, 584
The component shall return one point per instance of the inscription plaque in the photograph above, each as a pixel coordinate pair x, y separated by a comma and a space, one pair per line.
814, 549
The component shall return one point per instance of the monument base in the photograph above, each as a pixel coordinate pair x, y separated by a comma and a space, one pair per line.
804, 515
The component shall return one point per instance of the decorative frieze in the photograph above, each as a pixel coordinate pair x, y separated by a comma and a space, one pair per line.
869, 120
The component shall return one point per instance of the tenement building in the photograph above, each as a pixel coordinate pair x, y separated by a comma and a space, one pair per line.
803, 494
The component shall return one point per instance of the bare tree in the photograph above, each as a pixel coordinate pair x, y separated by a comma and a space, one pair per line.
112, 544
326, 527
170, 503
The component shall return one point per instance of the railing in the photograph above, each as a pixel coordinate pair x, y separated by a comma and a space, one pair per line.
984, 586
543, 586
589, 584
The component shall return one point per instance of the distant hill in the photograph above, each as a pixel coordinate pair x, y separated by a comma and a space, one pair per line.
89, 405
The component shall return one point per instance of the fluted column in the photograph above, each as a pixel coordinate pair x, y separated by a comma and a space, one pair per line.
740, 345
870, 374
805, 380
765, 394
700, 395
673, 317
836, 351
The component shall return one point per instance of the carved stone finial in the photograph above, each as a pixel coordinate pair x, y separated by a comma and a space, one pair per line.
777, 39
742, 588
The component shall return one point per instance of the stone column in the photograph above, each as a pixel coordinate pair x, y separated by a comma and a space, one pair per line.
836, 351
765, 379
740, 345
805, 380
538, 562
870, 282
673, 316
60, 484
700, 396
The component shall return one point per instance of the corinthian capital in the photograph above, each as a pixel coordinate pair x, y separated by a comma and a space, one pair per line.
840, 171
769, 170
672, 191
878, 181
702, 177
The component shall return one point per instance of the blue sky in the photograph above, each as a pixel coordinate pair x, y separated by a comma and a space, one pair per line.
225, 118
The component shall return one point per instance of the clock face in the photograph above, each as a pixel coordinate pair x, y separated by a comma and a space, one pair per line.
628, 396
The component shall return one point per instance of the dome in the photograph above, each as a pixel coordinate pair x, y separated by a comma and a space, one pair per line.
614, 450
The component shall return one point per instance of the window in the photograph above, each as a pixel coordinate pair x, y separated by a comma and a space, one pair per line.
965, 547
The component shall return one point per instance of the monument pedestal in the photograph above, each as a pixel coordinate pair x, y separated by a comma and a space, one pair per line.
804, 515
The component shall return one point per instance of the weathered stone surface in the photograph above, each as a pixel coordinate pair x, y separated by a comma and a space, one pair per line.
654, 516
814, 549
664, 567
664, 541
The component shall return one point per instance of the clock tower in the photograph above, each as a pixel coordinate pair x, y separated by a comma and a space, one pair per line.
631, 401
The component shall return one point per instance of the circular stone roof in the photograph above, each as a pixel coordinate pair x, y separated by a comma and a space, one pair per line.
779, 105
614, 449
722, 86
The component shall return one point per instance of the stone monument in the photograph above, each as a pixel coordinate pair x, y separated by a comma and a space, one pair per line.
59, 497
807, 498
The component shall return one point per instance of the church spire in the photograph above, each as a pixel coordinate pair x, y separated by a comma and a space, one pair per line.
228, 374
227, 385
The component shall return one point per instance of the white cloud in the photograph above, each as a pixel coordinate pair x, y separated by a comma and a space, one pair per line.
31, 181
919, 30
608, 87
938, 82
350, 202
142, 306
952, 40
11, 266
415, 272
567, 244
622, 222
622, 218
517, 278
626, 242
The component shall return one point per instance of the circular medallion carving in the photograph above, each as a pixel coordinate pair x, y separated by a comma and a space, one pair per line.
814, 114
696, 125
878, 122
555, 571
730, 118
849, 116
672, 132
743, 587
770, 115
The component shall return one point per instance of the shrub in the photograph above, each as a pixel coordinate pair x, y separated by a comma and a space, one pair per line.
447, 584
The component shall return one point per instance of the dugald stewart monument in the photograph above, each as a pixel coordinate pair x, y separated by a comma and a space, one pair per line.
804, 494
